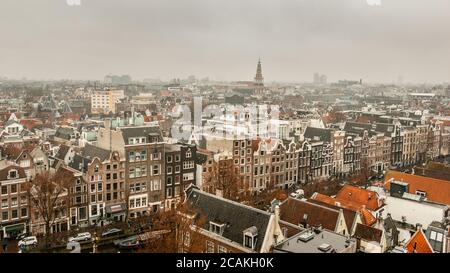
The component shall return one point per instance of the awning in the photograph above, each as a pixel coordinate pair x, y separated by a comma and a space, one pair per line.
115, 208
17, 227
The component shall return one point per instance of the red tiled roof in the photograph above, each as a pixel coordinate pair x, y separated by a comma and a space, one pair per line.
367, 233
436, 190
366, 215
296, 211
362, 197
418, 243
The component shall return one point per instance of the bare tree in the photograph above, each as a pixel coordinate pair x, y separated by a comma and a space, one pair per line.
48, 193
184, 236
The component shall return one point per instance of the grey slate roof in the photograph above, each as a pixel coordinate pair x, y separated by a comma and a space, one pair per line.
140, 131
63, 150
236, 216
322, 134
64, 133
80, 163
91, 151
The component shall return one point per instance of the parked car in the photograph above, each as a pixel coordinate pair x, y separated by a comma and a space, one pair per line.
111, 232
84, 236
298, 193
28, 241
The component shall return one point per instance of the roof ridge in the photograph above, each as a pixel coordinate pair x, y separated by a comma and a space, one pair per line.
230, 201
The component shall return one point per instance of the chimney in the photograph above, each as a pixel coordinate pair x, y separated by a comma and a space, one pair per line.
277, 213
418, 226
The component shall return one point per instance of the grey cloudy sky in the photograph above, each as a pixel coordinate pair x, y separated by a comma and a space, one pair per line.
223, 39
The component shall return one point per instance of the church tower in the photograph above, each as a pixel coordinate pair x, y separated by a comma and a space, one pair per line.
259, 80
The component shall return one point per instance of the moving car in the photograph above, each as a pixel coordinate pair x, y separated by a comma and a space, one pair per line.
131, 242
111, 232
84, 236
28, 241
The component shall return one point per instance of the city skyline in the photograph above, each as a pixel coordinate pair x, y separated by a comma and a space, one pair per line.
155, 39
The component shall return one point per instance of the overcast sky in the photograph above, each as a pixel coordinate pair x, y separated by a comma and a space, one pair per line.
222, 39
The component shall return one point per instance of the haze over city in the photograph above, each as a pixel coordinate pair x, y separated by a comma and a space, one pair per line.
345, 39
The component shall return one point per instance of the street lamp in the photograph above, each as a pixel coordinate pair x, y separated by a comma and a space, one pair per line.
94, 247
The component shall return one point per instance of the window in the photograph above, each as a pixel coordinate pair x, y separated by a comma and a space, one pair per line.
94, 210
188, 165
14, 214
13, 188
156, 185
169, 159
155, 169
177, 169
421, 193
177, 158
222, 249
4, 203
23, 212
144, 155
93, 198
4, 190
248, 241
188, 176
5, 216
131, 173
187, 238
108, 196
209, 247
169, 180
188, 154
14, 202
12, 174
131, 156
216, 228
99, 187
108, 176
143, 171
169, 170
169, 193
131, 203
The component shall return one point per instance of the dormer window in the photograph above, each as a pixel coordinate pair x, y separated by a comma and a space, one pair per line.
421, 193
188, 154
250, 237
216, 228
12, 174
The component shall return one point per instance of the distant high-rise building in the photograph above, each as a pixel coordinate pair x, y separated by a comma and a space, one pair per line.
259, 79
319, 79
104, 101
117, 80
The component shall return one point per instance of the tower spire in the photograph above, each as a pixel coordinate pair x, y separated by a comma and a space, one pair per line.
259, 79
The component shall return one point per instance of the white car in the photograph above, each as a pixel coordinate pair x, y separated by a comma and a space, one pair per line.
84, 236
297, 193
28, 241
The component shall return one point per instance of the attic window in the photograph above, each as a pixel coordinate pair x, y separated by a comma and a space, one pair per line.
216, 228
421, 193
250, 237
12, 174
